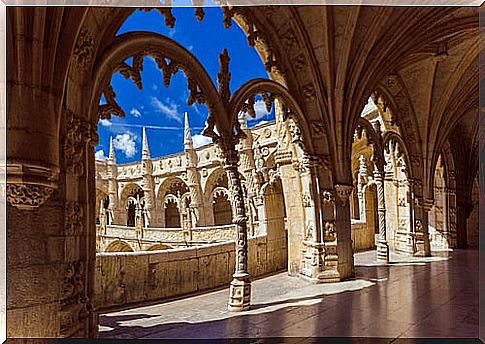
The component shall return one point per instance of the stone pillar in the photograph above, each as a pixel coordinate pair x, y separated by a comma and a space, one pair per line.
408, 242
382, 245
361, 182
422, 210
248, 168
240, 289
344, 238
312, 260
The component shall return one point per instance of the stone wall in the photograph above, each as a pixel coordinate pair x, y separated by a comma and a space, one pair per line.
135, 277
363, 237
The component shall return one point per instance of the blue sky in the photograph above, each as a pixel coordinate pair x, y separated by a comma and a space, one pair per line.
161, 109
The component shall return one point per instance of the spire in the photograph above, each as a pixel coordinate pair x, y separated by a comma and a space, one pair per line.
145, 154
188, 144
112, 156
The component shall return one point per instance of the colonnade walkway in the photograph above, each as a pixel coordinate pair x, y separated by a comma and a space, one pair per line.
409, 297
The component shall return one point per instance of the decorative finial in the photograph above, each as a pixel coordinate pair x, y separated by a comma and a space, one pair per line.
145, 149
112, 155
188, 144
224, 77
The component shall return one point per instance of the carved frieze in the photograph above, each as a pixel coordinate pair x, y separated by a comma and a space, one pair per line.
27, 196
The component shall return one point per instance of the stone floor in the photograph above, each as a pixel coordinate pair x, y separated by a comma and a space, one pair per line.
409, 297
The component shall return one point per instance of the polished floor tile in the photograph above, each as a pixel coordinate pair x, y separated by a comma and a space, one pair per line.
409, 297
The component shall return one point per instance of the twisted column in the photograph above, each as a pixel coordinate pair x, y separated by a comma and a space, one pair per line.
382, 245
240, 289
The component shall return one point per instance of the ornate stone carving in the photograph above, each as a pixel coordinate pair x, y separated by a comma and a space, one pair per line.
165, 11
27, 196
111, 107
78, 134
309, 92
327, 197
132, 72
318, 129
73, 218
330, 231
299, 62
84, 49
74, 303
307, 200
224, 76
343, 192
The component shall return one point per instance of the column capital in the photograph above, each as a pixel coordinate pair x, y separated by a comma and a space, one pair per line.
344, 191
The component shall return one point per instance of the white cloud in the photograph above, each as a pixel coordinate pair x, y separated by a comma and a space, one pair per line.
170, 110
99, 155
125, 143
261, 123
369, 107
260, 109
105, 122
172, 32
135, 112
201, 140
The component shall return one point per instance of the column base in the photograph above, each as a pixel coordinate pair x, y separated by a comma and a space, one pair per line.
319, 264
239, 293
382, 251
422, 247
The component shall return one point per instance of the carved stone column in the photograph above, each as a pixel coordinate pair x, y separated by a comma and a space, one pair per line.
423, 208
344, 238
361, 182
382, 245
312, 260
240, 289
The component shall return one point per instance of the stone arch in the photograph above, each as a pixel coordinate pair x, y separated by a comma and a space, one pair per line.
391, 136
140, 45
119, 246
169, 185
271, 91
171, 211
373, 138
221, 206
211, 181
398, 186
397, 97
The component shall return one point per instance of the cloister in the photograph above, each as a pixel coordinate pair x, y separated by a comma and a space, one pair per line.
375, 146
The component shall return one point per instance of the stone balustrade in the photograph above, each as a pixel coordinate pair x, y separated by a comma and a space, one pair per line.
129, 278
